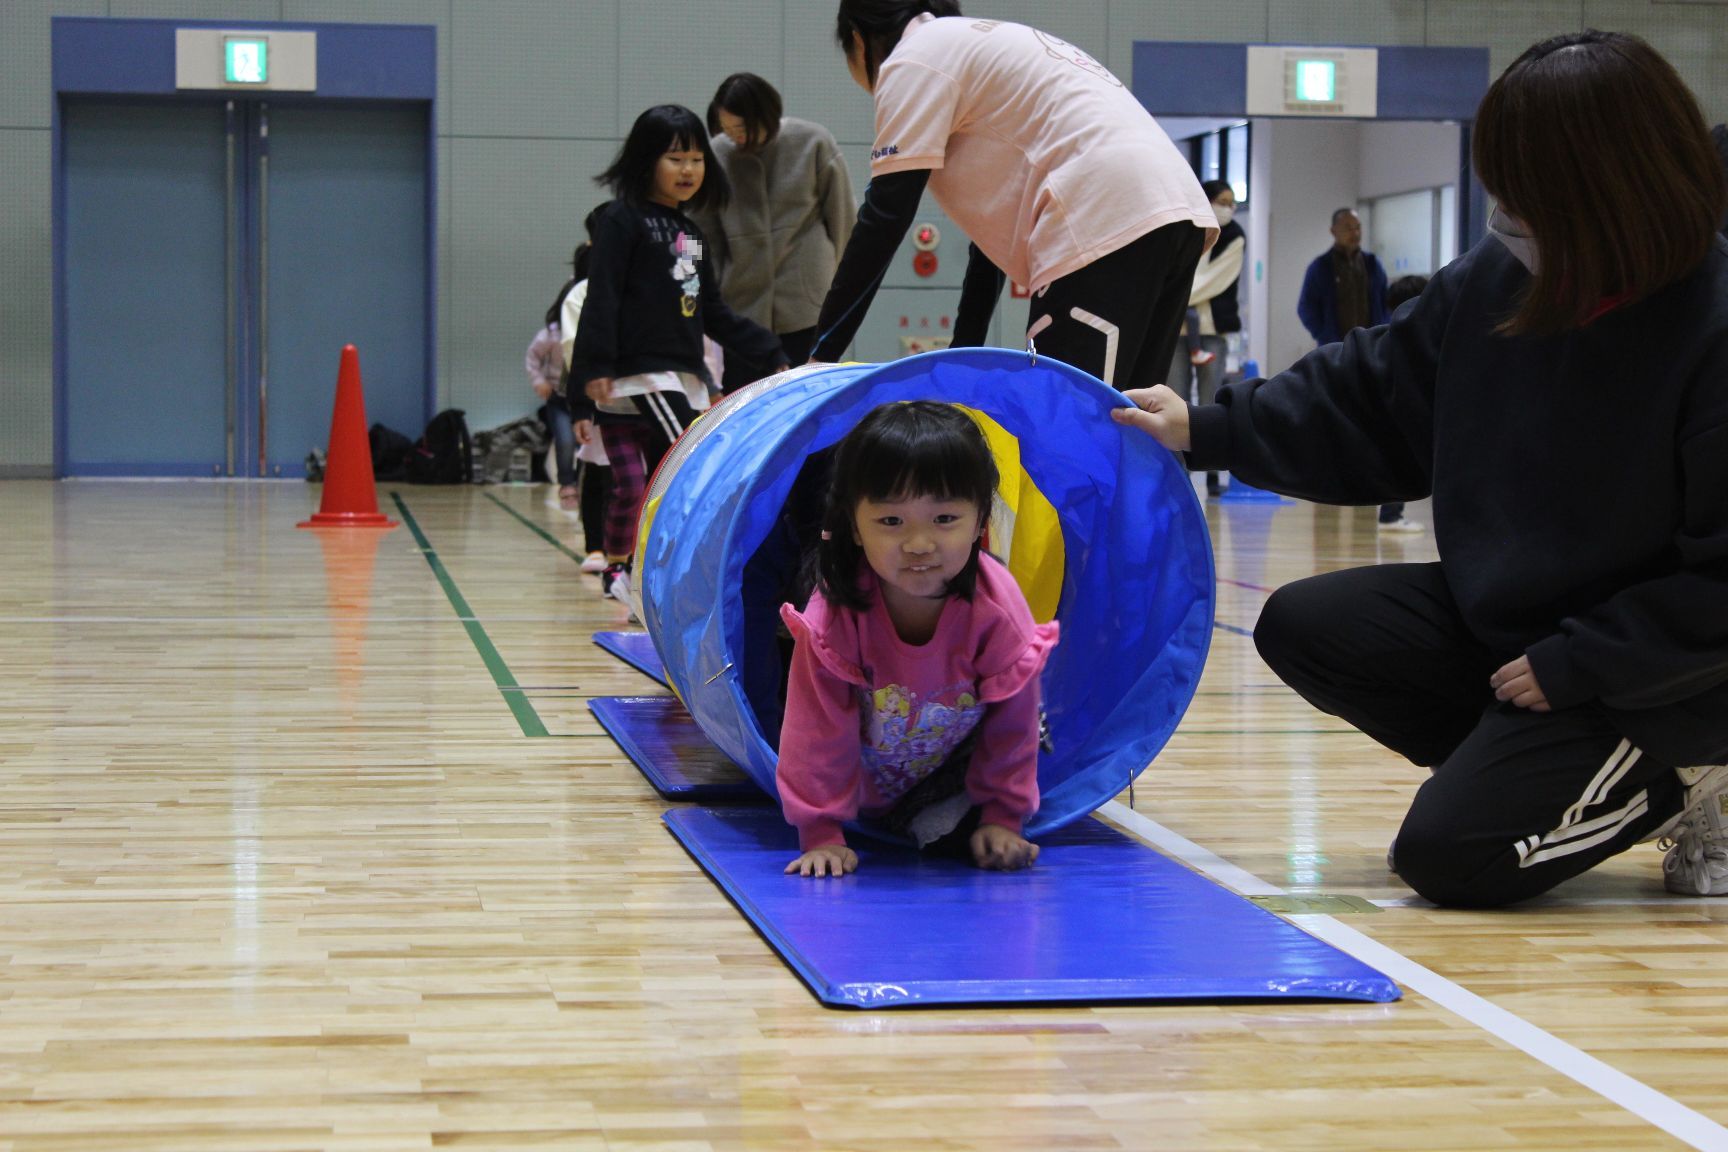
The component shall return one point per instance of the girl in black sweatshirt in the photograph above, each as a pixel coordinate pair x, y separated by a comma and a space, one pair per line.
651, 298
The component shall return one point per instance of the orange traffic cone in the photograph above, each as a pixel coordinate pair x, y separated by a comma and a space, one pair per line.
350, 496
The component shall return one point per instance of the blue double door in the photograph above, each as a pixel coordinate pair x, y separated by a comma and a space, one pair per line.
217, 257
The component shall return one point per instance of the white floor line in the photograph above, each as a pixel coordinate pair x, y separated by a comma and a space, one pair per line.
1562, 902
1638, 1098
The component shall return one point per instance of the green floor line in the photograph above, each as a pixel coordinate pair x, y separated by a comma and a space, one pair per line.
535, 528
520, 706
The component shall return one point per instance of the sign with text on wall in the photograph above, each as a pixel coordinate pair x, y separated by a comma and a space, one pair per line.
243, 58
1314, 81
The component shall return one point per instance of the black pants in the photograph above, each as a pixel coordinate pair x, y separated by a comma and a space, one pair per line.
1518, 801
1120, 316
595, 482
739, 372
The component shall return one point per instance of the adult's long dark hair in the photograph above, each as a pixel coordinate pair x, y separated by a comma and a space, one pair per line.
1594, 142
879, 24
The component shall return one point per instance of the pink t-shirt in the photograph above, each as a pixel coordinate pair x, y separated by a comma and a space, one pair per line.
1042, 156
869, 715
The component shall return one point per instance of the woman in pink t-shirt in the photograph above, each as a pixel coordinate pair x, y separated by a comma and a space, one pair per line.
913, 698
1058, 176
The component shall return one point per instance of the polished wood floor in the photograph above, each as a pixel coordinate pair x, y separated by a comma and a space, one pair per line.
307, 841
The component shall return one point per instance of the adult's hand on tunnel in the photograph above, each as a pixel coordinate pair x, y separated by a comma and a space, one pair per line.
1160, 413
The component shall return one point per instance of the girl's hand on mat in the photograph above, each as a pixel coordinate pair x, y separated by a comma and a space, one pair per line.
828, 860
1159, 413
996, 848
599, 389
1516, 684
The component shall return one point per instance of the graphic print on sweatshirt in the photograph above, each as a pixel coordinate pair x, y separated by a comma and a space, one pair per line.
686, 250
906, 737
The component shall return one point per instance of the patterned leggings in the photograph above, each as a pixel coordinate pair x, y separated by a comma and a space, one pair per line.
635, 445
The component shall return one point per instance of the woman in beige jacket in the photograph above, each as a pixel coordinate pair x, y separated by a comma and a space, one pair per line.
780, 236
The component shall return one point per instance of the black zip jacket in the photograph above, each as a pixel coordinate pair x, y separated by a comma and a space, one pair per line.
651, 296
1580, 481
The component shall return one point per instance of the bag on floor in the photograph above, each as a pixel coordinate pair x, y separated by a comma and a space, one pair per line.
444, 454
498, 447
390, 452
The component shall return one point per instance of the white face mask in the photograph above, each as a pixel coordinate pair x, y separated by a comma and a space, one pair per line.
1510, 232
1224, 212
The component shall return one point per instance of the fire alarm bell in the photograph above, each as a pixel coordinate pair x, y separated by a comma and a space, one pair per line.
924, 263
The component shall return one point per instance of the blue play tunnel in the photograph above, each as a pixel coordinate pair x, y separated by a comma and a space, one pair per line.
1098, 524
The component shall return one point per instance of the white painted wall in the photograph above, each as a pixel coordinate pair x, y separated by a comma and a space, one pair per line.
1304, 170
1399, 156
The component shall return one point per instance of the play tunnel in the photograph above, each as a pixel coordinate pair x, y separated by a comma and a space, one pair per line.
1099, 525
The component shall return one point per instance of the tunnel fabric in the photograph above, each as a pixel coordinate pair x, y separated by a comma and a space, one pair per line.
1136, 580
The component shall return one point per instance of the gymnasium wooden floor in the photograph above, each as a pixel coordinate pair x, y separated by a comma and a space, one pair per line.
311, 844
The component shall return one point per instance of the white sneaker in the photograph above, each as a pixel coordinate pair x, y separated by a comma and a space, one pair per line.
594, 562
1400, 525
1697, 839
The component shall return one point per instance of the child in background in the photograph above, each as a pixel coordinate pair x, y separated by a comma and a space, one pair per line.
545, 364
651, 297
1403, 289
1197, 353
913, 696
593, 470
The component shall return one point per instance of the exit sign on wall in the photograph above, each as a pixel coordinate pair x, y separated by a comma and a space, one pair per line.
245, 61
237, 59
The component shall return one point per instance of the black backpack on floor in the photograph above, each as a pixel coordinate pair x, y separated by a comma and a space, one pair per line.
445, 455
390, 453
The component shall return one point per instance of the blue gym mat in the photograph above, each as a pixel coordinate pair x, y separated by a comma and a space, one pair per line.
635, 649
664, 742
1101, 918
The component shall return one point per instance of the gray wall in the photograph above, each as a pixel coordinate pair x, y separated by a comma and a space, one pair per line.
535, 94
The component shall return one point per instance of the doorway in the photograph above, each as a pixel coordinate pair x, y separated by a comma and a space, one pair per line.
218, 253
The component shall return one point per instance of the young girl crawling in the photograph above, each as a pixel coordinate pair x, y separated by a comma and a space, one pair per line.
913, 698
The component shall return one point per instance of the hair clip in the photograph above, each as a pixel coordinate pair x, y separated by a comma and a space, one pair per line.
827, 535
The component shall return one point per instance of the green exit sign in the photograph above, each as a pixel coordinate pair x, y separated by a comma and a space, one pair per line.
245, 61
1317, 81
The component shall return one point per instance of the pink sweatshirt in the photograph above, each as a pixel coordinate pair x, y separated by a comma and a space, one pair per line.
868, 715
545, 360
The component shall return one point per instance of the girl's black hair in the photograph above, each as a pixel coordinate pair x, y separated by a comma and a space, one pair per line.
664, 128
1213, 187
578, 273
898, 451
751, 99
880, 22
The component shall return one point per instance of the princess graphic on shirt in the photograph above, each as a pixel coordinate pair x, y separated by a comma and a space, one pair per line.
913, 698
687, 254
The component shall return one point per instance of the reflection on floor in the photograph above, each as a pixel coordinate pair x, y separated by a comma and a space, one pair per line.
315, 844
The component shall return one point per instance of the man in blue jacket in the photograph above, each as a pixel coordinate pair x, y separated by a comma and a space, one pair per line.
1345, 289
